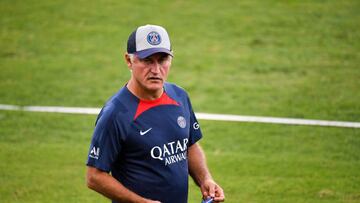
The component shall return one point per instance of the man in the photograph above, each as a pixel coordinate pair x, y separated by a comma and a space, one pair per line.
146, 135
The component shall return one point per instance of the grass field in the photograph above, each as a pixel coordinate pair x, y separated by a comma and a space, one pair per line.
270, 58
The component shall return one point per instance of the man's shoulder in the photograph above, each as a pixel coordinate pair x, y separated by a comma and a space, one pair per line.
118, 106
175, 89
117, 103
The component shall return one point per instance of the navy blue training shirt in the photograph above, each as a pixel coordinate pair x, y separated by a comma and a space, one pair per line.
144, 143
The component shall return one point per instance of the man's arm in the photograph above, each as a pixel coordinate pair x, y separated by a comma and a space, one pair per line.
200, 173
108, 186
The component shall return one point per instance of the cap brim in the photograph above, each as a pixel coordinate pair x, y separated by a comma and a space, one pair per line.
148, 52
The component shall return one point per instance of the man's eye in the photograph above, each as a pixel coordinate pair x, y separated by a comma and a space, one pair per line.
146, 60
163, 59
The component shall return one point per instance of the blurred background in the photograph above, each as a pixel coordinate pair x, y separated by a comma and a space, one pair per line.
296, 59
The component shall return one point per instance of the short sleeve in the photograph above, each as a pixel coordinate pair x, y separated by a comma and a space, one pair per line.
105, 143
195, 131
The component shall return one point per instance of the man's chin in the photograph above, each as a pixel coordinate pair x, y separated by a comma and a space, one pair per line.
155, 86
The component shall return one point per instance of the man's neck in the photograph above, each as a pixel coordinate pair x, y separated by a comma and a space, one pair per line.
142, 93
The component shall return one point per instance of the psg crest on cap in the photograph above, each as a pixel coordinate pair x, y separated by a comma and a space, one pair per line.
154, 38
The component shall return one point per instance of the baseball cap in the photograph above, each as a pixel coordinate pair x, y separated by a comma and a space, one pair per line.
147, 40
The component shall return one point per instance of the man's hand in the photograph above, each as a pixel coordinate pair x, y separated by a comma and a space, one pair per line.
210, 189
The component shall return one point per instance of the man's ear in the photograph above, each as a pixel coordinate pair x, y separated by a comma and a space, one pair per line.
128, 60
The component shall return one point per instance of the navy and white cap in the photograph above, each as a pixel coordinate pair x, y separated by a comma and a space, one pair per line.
147, 40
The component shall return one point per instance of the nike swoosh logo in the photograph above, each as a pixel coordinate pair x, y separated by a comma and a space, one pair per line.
143, 133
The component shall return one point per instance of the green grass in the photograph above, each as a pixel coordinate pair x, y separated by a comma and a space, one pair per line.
271, 58
253, 162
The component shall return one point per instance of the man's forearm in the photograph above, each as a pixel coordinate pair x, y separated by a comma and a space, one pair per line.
200, 173
108, 186
197, 164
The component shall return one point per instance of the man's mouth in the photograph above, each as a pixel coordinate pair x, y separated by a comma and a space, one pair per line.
155, 78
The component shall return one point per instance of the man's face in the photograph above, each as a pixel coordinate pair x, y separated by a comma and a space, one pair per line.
150, 73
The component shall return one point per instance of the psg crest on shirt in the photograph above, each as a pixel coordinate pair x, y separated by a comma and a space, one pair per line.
181, 122
154, 38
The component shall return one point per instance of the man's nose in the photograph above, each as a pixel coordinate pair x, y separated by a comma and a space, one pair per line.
155, 68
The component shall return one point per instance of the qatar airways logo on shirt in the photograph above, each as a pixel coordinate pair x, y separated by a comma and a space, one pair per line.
171, 152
